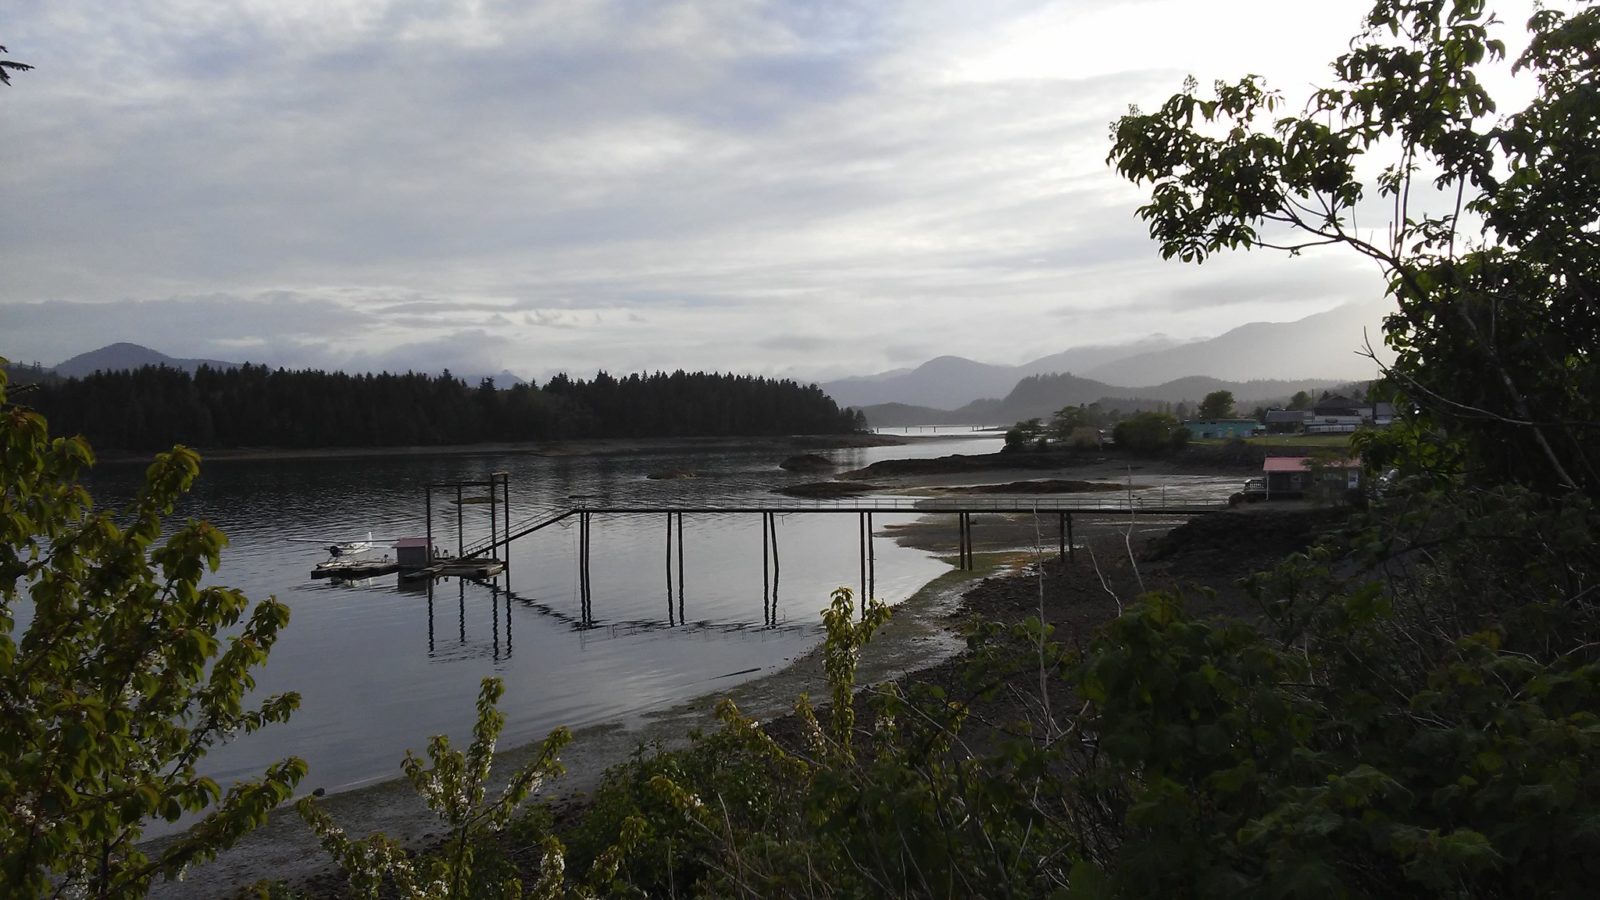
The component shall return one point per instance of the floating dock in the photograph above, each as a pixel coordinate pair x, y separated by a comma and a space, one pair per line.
351, 569
355, 568
458, 568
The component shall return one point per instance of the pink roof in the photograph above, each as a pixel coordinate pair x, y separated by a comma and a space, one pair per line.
1303, 463
1286, 464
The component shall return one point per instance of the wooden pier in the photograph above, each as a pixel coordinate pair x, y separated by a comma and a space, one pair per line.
1064, 510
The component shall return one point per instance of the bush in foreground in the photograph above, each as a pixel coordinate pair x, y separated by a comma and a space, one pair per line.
114, 675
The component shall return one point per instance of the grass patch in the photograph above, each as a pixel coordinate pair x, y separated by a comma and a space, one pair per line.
1283, 440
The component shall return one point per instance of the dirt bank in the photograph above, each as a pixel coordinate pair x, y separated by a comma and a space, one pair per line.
827, 490
1039, 486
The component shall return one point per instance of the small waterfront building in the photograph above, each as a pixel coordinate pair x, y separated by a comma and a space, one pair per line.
1295, 476
413, 553
1222, 428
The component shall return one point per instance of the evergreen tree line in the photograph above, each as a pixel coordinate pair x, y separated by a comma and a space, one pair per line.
255, 406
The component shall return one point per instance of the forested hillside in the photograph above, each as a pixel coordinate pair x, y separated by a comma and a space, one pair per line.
253, 406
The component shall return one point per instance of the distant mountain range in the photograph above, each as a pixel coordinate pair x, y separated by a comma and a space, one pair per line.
1258, 362
1041, 395
1321, 346
121, 356
953, 380
1325, 345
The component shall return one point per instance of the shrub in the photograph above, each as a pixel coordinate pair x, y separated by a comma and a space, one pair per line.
120, 680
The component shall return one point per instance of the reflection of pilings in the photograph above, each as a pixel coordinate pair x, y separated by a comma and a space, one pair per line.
671, 613
461, 603
430, 616
681, 619
1072, 546
766, 575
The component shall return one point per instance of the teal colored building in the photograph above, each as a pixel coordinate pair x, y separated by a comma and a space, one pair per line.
1223, 428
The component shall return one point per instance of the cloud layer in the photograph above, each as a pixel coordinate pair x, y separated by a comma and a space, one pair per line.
795, 188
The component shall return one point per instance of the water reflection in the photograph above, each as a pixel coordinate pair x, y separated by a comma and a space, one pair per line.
503, 599
383, 664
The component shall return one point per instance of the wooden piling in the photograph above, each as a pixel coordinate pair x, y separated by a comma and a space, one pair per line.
775, 568
494, 526
861, 545
872, 561
505, 487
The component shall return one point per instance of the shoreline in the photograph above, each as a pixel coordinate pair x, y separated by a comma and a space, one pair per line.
576, 447
922, 634
919, 636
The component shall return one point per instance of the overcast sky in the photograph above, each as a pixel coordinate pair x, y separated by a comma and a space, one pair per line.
803, 188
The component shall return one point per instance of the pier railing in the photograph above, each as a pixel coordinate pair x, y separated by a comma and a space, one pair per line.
1105, 504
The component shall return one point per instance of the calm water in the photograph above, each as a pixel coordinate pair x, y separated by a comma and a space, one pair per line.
381, 665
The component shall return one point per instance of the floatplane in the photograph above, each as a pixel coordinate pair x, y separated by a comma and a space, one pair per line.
337, 549
341, 562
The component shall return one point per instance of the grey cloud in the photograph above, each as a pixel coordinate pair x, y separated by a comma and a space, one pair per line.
181, 326
472, 350
551, 319
909, 352
801, 342
632, 185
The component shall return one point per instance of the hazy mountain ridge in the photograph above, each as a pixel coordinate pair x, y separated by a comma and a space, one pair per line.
1041, 395
1085, 359
1324, 345
939, 381
1320, 346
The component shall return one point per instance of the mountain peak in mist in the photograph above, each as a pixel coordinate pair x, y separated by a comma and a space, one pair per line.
124, 355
